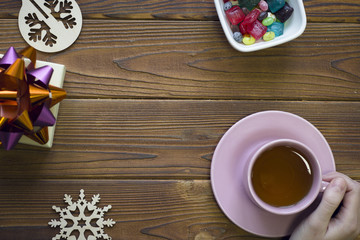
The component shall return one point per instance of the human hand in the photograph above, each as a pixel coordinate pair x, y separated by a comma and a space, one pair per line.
321, 224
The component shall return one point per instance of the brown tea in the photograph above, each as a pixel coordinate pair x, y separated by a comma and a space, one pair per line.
281, 176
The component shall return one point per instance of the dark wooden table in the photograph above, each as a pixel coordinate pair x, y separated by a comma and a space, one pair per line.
152, 87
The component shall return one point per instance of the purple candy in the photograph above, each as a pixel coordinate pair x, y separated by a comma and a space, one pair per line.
284, 13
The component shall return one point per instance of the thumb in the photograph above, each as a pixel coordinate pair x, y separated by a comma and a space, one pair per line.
333, 195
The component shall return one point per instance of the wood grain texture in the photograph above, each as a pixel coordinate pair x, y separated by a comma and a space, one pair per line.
141, 209
152, 87
164, 139
171, 59
316, 10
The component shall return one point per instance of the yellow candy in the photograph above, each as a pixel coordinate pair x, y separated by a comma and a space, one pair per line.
269, 36
248, 39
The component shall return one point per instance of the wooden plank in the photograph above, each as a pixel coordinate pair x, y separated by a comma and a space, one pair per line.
141, 209
317, 10
332, 11
158, 59
152, 209
147, 139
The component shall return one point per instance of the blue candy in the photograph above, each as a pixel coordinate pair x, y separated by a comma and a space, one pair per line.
275, 5
277, 28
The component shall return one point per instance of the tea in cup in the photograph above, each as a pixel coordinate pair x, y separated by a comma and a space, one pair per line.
284, 177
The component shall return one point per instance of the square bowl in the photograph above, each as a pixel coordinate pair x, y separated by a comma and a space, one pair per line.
293, 27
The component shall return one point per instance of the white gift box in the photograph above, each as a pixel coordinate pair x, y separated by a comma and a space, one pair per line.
57, 80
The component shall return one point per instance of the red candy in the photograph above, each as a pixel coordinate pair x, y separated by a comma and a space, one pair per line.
256, 29
242, 28
235, 15
252, 16
254, 23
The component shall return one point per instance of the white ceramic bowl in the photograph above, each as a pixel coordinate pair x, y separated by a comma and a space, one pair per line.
293, 28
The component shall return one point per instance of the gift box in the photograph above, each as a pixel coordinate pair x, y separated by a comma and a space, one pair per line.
43, 92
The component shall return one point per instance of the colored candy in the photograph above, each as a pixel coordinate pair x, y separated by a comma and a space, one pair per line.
267, 21
249, 4
256, 29
269, 36
227, 6
234, 28
263, 5
284, 13
270, 14
252, 16
235, 15
243, 29
245, 10
262, 16
248, 39
238, 36
251, 20
275, 5
277, 28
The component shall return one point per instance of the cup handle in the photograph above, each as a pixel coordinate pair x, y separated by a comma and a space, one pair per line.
323, 186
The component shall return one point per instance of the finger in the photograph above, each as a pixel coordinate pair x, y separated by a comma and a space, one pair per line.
331, 199
352, 197
330, 176
347, 220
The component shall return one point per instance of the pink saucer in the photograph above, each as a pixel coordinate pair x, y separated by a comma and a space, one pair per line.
233, 151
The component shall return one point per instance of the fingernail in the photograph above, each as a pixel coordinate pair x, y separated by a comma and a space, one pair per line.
338, 184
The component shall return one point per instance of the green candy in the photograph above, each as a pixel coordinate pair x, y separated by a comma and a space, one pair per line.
269, 36
267, 21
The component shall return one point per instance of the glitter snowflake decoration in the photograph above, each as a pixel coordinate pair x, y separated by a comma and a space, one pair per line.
81, 214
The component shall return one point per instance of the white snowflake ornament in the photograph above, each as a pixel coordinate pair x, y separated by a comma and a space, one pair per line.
82, 214
50, 25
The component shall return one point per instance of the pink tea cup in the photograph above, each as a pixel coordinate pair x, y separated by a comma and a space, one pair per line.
316, 187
